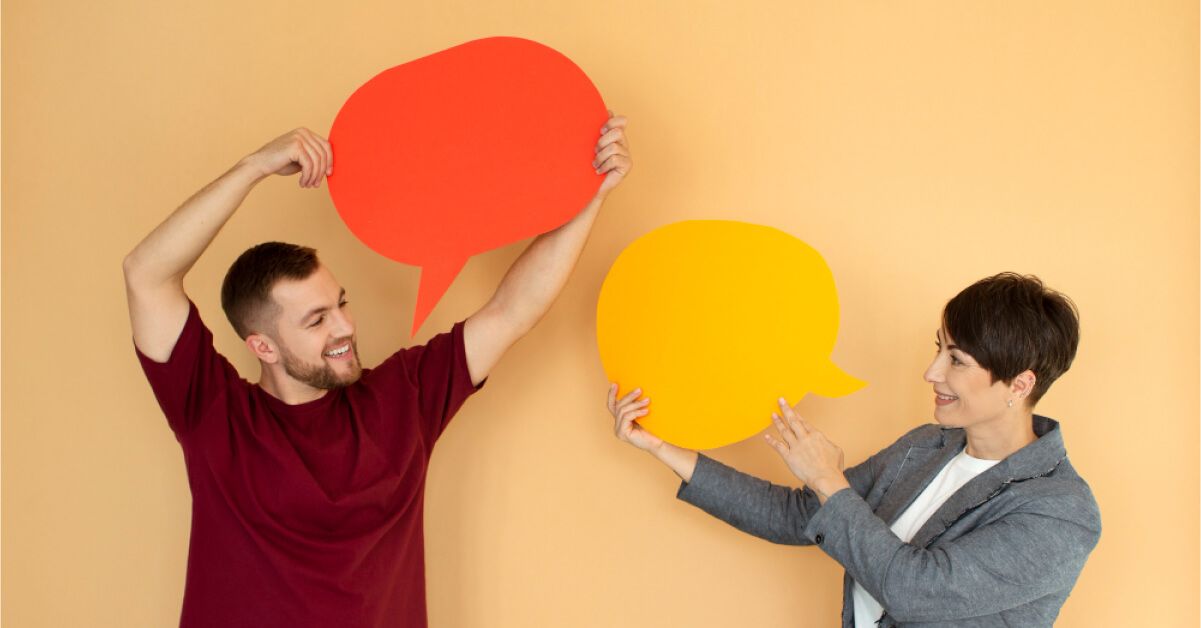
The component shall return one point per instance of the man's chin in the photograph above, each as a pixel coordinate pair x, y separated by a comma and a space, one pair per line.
327, 375
351, 376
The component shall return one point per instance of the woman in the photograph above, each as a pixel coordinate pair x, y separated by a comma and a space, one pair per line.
977, 521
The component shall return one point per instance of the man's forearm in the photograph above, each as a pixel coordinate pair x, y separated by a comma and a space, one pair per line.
173, 247
539, 274
534, 281
154, 270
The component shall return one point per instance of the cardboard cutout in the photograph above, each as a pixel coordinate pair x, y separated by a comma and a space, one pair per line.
715, 320
464, 151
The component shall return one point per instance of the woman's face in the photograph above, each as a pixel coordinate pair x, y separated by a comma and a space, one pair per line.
965, 394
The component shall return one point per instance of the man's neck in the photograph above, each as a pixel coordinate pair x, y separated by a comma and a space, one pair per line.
288, 390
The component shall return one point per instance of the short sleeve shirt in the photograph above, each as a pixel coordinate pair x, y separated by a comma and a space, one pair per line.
309, 514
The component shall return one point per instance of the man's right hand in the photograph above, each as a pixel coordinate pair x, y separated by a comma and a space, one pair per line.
154, 270
300, 151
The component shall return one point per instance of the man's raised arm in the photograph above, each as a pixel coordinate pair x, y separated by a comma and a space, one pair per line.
154, 270
539, 274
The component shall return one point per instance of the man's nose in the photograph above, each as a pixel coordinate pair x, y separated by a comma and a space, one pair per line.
343, 324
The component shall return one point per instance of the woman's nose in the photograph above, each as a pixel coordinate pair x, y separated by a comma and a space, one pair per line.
934, 372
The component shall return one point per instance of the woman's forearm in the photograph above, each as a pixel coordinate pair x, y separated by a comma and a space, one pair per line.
678, 459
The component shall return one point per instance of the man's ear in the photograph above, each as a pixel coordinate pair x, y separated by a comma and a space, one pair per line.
263, 348
1022, 385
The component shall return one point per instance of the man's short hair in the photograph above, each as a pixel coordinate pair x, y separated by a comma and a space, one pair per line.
1010, 323
246, 291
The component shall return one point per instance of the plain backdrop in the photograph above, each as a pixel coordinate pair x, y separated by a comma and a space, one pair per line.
918, 145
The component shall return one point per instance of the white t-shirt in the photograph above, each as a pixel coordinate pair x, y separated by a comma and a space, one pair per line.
955, 474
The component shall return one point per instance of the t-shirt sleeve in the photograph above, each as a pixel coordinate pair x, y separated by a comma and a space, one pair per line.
437, 372
192, 378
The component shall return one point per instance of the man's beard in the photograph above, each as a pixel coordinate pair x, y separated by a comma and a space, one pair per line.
321, 376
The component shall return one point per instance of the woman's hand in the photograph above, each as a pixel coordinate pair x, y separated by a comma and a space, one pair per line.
625, 412
808, 453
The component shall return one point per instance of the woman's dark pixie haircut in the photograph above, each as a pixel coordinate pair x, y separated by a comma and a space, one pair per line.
1010, 323
246, 291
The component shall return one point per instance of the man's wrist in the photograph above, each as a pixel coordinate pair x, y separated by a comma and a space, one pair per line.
250, 169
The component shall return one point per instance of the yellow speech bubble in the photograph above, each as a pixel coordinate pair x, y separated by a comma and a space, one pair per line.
715, 320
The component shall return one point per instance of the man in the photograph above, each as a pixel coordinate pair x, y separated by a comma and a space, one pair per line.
307, 487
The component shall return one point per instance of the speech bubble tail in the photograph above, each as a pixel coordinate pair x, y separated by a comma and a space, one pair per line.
835, 382
435, 280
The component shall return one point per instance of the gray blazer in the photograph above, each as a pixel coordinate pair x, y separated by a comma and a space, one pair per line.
1004, 550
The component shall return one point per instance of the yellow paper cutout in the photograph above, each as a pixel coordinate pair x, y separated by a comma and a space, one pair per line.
715, 320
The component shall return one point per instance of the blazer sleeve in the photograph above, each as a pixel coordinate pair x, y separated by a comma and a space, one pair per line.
779, 514
1024, 555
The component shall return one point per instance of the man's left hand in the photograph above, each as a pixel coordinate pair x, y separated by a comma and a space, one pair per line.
612, 154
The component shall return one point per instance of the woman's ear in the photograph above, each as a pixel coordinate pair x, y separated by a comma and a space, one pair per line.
1023, 385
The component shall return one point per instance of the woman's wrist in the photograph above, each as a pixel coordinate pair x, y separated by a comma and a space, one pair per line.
678, 459
827, 486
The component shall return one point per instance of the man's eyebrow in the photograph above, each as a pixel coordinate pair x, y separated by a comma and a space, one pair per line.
321, 310
315, 311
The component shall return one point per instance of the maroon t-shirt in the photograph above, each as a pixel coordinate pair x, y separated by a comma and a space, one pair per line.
307, 515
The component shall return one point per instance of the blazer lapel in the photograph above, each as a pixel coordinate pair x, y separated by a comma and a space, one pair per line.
978, 490
917, 469
1034, 460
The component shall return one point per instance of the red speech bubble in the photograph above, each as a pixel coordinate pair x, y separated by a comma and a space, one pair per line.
464, 151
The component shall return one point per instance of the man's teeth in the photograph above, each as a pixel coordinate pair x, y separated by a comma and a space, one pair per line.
945, 397
337, 352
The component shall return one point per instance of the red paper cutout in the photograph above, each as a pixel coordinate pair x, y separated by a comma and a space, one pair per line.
464, 151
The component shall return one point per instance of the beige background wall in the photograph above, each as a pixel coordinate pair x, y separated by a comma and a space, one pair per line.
918, 145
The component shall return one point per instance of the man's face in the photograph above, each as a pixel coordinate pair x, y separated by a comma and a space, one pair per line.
315, 331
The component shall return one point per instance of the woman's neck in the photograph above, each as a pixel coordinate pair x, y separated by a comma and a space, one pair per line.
1000, 437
